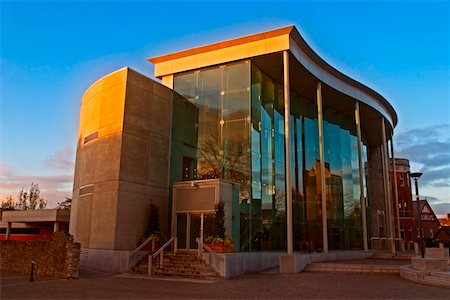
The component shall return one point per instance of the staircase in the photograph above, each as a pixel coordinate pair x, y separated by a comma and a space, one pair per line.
182, 264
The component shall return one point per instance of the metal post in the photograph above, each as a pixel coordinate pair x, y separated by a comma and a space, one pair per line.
150, 264
419, 217
32, 272
361, 177
287, 152
322, 169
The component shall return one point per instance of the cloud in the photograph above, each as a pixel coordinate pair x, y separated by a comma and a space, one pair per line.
54, 188
429, 148
63, 159
440, 208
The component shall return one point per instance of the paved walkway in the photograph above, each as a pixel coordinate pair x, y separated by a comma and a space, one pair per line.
266, 285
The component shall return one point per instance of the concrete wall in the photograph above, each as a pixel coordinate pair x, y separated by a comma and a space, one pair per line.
375, 189
56, 258
123, 164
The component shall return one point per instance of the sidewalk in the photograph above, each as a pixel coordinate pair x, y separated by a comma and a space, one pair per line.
265, 285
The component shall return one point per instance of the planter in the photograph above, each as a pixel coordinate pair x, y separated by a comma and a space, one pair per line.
221, 248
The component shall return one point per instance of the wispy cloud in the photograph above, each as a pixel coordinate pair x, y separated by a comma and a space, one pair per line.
428, 150
62, 159
54, 188
428, 147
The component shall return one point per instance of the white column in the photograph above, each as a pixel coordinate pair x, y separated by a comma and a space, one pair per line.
387, 189
397, 213
322, 169
8, 231
287, 152
361, 177
55, 226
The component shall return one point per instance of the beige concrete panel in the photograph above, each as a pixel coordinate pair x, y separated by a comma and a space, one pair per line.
134, 159
112, 110
168, 81
161, 112
132, 219
158, 161
139, 80
105, 158
84, 173
102, 106
138, 110
103, 222
163, 93
160, 192
223, 55
375, 191
74, 214
106, 186
83, 229
135, 130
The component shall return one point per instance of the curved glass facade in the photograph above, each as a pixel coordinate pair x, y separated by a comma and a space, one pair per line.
241, 138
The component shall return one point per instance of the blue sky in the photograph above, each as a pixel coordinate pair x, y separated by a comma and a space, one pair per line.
51, 52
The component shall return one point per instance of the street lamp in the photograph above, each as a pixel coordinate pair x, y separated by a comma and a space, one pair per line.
416, 176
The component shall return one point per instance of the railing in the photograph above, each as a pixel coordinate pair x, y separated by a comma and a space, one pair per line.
212, 253
142, 245
160, 252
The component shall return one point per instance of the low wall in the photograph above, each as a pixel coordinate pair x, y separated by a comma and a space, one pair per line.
302, 260
230, 265
58, 257
110, 261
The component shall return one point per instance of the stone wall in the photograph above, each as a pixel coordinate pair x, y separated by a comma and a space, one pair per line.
56, 258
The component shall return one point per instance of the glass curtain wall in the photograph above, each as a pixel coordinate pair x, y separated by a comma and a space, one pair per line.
222, 95
241, 138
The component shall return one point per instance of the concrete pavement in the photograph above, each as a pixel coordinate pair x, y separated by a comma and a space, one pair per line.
265, 285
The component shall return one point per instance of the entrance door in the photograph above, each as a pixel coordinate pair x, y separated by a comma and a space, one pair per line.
196, 230
191, 226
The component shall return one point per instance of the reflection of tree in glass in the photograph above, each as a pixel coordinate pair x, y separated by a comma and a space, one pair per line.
225, 160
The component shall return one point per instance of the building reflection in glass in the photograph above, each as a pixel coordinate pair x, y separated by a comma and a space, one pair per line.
241, 138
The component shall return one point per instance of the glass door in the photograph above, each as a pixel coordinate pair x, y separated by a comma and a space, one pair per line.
195, 230
181, 230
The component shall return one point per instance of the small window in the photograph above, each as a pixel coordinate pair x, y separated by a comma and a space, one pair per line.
88, 189
402, 179
91, 137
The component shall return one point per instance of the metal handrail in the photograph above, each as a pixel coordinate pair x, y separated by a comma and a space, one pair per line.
144, 243
202, 245
164, 247
160, 252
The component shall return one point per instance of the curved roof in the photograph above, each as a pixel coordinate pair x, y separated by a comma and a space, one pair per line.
285, 38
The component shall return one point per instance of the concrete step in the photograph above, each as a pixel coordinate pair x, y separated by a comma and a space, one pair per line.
353, 268
195, 275
185, 265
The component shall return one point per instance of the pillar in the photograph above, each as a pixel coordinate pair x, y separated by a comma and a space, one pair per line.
322, 168
287, 152
361, 177
397, 213
387, 190
8, 231
56, 227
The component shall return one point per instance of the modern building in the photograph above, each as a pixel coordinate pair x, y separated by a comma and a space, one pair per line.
297, 150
